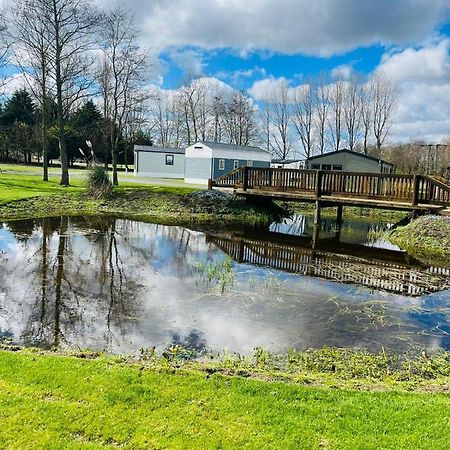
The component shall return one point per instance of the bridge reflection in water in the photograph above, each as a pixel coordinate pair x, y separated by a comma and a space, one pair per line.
376, 268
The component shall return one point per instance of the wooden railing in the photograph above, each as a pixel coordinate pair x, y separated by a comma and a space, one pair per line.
410, 189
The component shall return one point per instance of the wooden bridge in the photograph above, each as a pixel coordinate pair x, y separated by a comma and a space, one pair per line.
380, 269
337, 188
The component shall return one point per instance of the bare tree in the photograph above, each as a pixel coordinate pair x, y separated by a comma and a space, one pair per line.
162, 118
265, 117
321, 112
123, 73
218, 110
384, 99
366, 115
303, 117
193, 105
239, 119
279, 102
5, 45
336, 118
352, 111
32, 45
70, 27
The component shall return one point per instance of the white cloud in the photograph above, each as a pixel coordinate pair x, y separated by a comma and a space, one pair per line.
15, 82
263, 89
342, 72
189, 60
423, 76
236, 77
318, 27
427, 64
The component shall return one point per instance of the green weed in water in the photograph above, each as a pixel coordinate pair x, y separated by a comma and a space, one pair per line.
217, 272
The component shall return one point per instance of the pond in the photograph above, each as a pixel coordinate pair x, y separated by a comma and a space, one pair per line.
120, 285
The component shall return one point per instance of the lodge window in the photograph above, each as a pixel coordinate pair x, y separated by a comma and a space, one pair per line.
337, 166
221, 164
326, 166
169, 160
315, 166
250, 163
236, 164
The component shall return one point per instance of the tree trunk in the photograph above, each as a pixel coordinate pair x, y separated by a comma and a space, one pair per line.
44, 146
114, 145
60, 108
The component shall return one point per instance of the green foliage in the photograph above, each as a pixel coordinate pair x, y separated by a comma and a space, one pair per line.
19, 108
98, 184
220, 273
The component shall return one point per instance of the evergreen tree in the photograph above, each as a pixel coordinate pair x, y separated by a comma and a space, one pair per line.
19, 108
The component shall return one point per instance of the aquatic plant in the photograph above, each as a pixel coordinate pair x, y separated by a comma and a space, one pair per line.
217, 272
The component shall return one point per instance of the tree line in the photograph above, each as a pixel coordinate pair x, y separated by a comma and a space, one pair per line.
69, 53
324, 115
317, 116
21, 133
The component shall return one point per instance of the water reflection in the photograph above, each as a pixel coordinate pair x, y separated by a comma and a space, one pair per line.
353, 231
119, 285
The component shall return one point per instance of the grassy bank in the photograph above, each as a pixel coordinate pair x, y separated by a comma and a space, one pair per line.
25, 196
426, 238
55, 401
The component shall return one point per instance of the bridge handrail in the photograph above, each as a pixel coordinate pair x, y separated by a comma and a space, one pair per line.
407, 188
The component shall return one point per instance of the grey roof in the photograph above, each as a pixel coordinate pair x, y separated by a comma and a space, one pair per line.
346, 150
232, 147
156, 149
286, 161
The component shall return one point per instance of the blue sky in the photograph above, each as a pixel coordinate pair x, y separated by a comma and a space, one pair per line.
253, 44
241, 72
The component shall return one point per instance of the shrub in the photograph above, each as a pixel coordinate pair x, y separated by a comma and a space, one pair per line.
98, 184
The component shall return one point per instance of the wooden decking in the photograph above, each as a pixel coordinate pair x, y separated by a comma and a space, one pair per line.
335, 188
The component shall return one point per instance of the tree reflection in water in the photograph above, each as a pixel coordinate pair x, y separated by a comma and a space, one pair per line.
119, 285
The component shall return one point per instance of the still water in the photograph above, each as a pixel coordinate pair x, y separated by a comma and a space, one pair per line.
119, 285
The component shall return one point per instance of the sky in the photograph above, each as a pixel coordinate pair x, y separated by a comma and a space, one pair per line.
253, 44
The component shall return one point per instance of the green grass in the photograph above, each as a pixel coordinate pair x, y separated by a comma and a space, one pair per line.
426, 238
24, 196
18, 187
60, 402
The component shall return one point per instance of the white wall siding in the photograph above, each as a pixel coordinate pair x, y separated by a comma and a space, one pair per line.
197, 170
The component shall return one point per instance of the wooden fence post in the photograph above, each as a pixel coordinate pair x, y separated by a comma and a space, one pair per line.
319, 175
210, 184
245, 181
416, 189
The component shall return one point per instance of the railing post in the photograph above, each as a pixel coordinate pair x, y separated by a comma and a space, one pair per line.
210, 184
416, 189
319, 175
245, 181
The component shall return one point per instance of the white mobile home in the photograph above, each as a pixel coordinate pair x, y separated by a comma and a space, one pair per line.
288, 163
210, 160
160, 162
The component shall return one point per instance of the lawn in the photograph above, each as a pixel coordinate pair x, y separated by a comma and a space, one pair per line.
21, 182
55, 402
